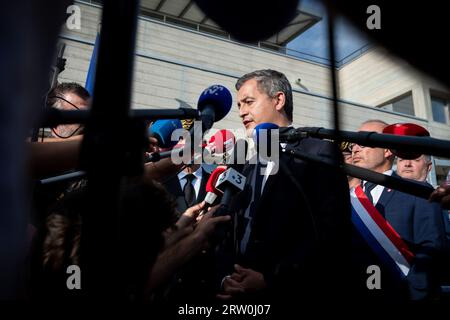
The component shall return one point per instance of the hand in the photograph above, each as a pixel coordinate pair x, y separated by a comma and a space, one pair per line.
189, 217
153, 145
442, 195
242, 281
184, 226
206, 225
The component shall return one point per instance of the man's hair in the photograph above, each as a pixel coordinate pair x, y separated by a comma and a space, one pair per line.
270, 82
67, 87
375, 121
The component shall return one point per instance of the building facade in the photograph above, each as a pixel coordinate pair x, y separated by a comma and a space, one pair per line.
175, 62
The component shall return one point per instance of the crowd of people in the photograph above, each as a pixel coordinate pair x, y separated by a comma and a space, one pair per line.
291, 235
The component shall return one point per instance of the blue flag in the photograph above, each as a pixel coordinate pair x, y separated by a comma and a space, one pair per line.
90, 79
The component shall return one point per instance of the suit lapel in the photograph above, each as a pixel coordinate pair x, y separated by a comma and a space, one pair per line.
202, 191
173, 186
385, 198
268, 186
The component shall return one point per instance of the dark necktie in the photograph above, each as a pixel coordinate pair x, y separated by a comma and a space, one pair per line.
368, 187
189, 191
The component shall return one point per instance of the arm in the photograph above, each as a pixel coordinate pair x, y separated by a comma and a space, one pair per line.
161, 169
175, 256
54, 157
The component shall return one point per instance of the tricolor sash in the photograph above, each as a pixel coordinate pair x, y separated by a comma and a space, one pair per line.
379, 234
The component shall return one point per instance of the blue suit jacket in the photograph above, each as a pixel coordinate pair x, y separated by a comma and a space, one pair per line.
419, 223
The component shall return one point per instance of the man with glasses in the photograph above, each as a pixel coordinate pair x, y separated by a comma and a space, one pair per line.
407, 234
348, 159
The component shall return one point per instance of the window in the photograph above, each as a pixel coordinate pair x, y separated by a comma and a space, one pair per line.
403, 104
440, 108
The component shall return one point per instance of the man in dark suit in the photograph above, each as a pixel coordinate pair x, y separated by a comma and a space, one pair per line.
188, 187
417, 221
290, 226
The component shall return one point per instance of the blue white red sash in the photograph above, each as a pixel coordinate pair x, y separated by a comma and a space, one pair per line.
379, 234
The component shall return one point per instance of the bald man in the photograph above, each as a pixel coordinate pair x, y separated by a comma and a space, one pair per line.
417, 222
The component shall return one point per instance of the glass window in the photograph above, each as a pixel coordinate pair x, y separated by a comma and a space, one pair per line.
440, 110
403, 104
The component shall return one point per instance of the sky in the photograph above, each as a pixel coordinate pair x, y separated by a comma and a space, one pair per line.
315, 40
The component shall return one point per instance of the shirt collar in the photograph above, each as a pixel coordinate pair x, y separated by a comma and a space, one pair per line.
387, 173
197, 173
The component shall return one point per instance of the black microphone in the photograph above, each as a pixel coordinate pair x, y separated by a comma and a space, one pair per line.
418, 144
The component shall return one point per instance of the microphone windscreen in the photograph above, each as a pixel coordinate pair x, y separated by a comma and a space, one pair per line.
258, 133
222, 141
162, 131
219, 98
211, 184
406, 129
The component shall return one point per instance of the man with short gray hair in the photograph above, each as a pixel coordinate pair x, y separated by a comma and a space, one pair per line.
285, 220
414, 169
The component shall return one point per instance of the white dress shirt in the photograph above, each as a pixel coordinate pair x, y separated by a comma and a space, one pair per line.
378, 190
196, 182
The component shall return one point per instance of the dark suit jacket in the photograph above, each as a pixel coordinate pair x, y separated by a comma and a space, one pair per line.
419, 223
300, 238
173, 186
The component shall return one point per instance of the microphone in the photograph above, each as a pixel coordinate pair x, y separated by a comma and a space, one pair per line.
162, 130
229, 182
406, 129
214, 104
238, 157
264, 138
420, 144
221, 142
211, 191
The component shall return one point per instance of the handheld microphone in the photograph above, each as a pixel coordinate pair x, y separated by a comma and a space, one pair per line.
263, 135
229, 182
221, 142
211, 191
214, 104
162, 130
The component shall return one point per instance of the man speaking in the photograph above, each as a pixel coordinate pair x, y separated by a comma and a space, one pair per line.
291, 226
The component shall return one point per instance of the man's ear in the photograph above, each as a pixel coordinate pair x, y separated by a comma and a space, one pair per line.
429, 165
388, 153
280, 100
